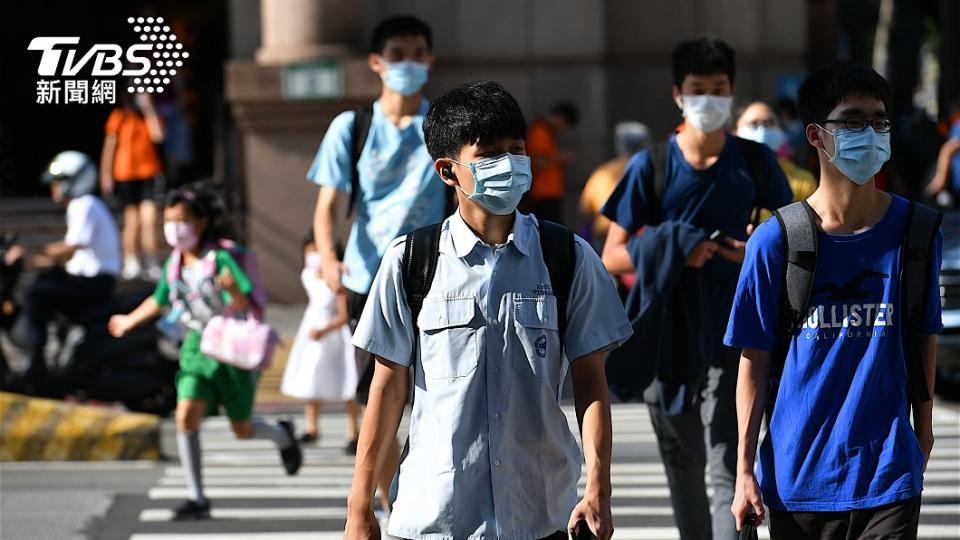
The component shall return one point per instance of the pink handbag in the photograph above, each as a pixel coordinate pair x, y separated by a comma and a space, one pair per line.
243, 343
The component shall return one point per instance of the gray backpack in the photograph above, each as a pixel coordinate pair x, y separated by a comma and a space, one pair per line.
799, 229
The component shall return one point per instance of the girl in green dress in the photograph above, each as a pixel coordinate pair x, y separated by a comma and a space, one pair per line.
209, 281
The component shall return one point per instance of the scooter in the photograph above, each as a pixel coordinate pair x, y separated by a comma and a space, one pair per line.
86, 363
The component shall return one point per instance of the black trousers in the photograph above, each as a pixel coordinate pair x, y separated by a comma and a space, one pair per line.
893, 521
57, 292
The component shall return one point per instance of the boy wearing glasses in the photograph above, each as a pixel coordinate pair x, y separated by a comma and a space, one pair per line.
840, 458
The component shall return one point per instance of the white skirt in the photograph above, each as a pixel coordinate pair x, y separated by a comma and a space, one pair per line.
324, 370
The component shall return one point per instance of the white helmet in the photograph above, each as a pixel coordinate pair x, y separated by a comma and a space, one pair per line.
75, 171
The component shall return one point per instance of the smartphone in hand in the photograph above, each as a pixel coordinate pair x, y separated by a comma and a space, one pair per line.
718, 236
749, 530
580, 532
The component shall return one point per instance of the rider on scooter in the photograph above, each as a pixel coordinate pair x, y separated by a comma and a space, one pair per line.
89, 255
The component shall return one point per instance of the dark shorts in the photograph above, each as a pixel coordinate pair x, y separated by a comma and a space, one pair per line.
134, 192
894, 521
365, 360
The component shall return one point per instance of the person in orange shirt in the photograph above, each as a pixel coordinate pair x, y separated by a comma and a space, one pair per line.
129, 168
629, 137
545, 198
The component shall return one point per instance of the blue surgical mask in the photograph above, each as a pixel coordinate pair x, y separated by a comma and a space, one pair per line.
499, 182
859, 155
773, 137
406, 78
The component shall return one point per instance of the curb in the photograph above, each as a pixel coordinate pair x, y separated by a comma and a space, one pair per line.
268, 388
34, 429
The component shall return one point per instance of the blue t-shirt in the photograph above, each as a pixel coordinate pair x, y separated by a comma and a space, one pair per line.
399, 187
955, 162
718, 197
840, 436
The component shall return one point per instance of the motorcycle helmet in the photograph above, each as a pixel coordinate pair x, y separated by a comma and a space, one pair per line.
76, 173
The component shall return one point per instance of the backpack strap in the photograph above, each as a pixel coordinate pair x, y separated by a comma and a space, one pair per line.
421, 250
658, 155
753, 154
558, 246
363, 116
799, 229
922, 225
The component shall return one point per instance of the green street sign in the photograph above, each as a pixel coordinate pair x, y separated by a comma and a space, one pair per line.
316, 80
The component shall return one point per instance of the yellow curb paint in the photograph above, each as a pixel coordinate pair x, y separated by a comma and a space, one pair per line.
36, 429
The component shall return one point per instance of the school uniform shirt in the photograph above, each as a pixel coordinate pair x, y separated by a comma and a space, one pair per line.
91, 229
491, 453
400, 191
840, 436
719, 197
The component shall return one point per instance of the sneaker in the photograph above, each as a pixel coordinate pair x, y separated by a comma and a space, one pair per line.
152, 273
192, 510
131, 268
309, 438
292, 455
351, 448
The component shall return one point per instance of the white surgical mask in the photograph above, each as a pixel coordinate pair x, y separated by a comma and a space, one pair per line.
704, 112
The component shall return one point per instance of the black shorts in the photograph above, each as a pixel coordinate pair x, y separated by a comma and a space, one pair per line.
134, 192
897, 520
365, 361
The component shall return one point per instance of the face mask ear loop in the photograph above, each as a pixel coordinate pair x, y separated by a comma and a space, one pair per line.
832, 134
458, 180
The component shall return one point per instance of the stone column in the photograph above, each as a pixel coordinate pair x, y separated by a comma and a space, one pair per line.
300, 30
279, 131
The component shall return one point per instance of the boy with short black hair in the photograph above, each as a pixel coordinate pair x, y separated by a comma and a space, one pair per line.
487, 336
840, 458
694, 195
376, 154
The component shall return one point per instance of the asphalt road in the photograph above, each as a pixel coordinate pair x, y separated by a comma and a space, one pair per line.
254, 500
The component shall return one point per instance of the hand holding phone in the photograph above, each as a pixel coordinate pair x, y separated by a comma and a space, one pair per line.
718, 236
580, 532
749, 530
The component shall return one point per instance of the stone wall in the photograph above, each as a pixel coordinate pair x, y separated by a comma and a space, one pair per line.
610, 57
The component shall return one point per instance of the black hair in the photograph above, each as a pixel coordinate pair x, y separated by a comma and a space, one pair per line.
308, 240
826, 87
568, 111
787, 106
399, 26
202, 201
474, 113
703, 56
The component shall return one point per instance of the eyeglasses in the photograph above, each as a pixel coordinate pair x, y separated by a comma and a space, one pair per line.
856, 123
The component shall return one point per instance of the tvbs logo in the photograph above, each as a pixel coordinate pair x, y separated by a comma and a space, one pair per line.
147, 66
106, 57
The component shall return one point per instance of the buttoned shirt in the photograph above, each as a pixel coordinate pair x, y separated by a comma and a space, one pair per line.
491, 454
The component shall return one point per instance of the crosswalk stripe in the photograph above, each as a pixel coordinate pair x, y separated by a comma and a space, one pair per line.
247, 476
671, 533
313, 535
331, 492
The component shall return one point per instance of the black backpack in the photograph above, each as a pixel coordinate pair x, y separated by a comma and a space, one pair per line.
798, 226
363, 117
422, 249
752, 153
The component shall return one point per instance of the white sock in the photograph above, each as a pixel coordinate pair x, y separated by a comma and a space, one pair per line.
190, 459
271, 432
